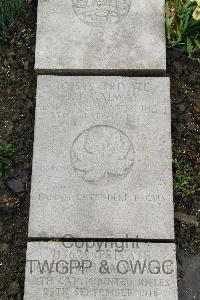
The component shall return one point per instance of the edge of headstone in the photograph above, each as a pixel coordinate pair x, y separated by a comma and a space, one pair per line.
102, 72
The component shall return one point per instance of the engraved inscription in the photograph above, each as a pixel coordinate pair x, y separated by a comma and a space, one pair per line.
101, 270
102, 154
101, 11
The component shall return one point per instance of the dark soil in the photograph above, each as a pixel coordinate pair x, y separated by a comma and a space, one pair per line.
17, 105
185, 98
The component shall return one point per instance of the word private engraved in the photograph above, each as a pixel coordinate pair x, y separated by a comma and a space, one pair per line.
102, 154
101, 12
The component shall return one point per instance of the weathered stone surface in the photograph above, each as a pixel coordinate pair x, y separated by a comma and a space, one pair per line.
102, 158
100, 270
81, 35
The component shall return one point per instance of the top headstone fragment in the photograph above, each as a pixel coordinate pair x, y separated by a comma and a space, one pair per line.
100, 36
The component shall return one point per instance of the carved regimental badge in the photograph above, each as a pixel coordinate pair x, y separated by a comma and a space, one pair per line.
102, 154
101, 12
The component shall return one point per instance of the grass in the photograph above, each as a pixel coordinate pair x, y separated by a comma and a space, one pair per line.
5, 153
183, 26
187, 178
11, 14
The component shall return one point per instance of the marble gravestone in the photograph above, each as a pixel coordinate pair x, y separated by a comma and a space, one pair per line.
114, 36
102, 158
100, 270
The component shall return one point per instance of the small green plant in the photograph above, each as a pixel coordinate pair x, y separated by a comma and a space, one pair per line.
182, 18
5, 153
11, 12
186, 178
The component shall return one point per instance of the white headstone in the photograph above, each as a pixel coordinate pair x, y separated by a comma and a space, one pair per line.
100, 35
102, 158
100, 271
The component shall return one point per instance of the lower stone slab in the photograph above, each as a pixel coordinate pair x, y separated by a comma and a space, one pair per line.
100, 270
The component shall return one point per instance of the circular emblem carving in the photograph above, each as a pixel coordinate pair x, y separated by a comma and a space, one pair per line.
101, 11
102, 154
